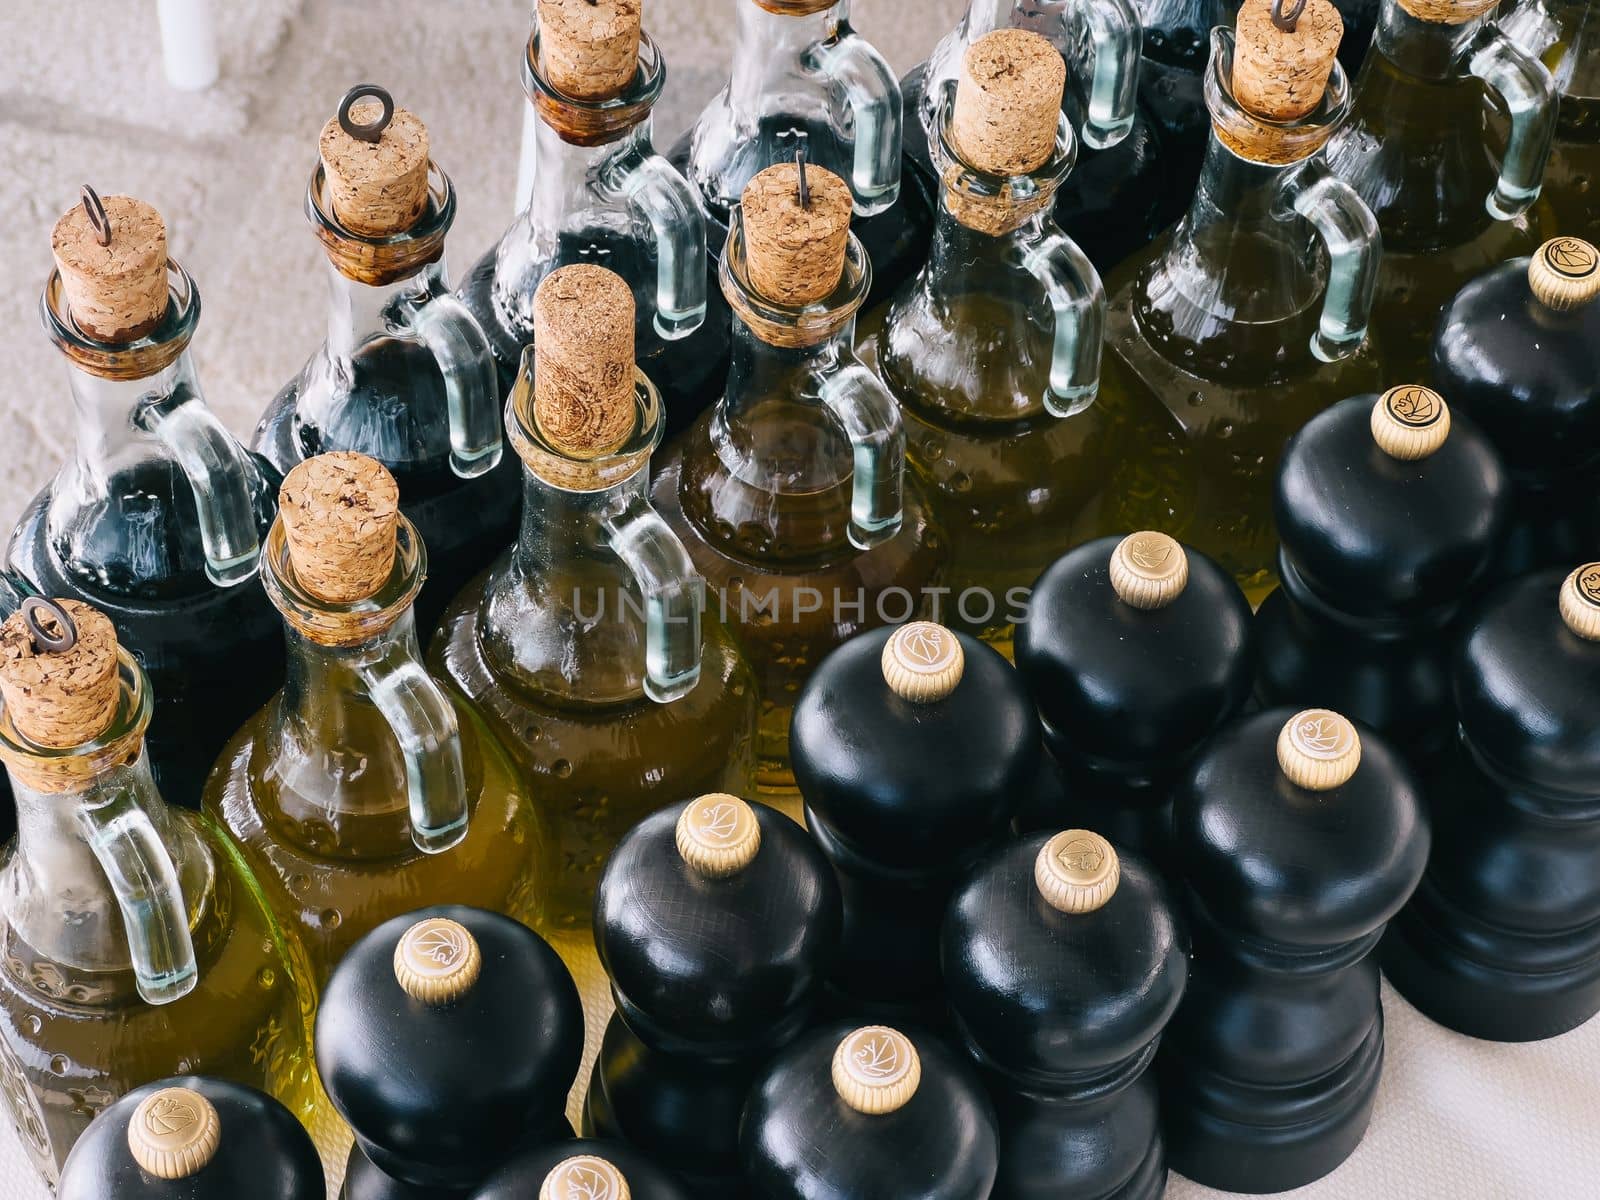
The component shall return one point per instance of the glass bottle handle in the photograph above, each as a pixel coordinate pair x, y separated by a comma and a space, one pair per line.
1079, 300
424, 723
673, 594
219, 472
1350, 232
871, 418
471, 383
1115, 38
1529, 94
672, 206
876, 109
145, 882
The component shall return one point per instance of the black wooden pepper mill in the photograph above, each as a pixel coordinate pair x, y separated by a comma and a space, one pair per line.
586, 1169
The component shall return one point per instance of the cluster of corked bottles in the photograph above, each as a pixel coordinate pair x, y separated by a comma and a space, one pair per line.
586, 685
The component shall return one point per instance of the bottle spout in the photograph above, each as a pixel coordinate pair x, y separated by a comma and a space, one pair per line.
877, 109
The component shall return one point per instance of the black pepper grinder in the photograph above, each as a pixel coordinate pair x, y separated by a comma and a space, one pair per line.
1063, 962
849, 1113
1301, 837
1390, 510
1501, 941
717, 922
912, 748
585, 1169
194, 1138
448, 1038
1518, 350
1134, 651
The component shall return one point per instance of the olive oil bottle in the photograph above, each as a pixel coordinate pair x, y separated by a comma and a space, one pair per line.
1565, 36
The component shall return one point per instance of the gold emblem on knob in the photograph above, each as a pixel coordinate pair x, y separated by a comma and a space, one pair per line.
174, 1133
584, 1177
1149, 570
437, 961
718, 835
922, 662
1580, 602
1077, 871
876, 1070
1410, 421
1564, 273
1318, 750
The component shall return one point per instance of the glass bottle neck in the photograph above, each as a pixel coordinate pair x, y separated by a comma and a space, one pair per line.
769, 52
1426, 50
359, 312
571, 181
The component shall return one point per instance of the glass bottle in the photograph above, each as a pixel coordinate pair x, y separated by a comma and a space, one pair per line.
802, 77
136, 942
789, 495
1565, 36
1229, 333
601, 194
586, 650
364, 786
157, 519
1417, 149
993, 353
406, 377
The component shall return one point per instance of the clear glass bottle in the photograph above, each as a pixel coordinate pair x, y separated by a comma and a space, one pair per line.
993, 352
790, 496
1565, 36
364, 787
157, 520
587, 650
1418, 149
1241, 324
137, 944
601, 194
406, 377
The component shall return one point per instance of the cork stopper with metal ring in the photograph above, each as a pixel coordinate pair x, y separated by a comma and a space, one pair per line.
111, 253
1410, 422
876, 1070
58, 672
923, 662
375, 157
1148, 570
796, 222
718, 835
1564, 274
174, 1133
1283, 55
340, 513
1580, 602
1077, 871
1318, 750
1447, 12
437, 961
589, 49
584, 1177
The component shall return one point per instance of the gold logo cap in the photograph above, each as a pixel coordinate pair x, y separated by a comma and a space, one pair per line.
1077, 871
1319, 750
584, 1177
1564, 273
1149, 570
1580, 602
174, 1133
922, 662
437, 961
1410, 422
718, 835
876, 1070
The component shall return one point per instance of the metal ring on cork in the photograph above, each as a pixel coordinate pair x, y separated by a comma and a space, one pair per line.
96, 211
1287, 21
800, 159
371, 131
46, 641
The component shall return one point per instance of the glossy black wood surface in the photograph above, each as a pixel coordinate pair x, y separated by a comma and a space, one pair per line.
1269, 1068
438, 1095
1503, 939
1125, 694
1062, 1011
800, 1141
522, 1178
264, 1153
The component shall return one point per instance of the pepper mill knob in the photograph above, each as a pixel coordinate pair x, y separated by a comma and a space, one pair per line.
718, 835
584, 1177
1410, 422
437, 961
174, 1133
923, 662
1564, 273
1319, 750
876, 1070
1580, 602
1149, 570
1077, 871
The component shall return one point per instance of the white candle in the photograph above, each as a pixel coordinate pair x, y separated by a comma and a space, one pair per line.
188, 43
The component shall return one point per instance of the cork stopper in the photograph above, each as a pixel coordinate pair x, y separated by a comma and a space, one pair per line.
1318, 750
1008, 102
589, 49
116, 289
60, 699
876, 1070
340, 512
1564, 273
174, 1133
794, 251
718, 835
378, 187
1149, 570
1447, 12
583, 361
1281, 74
922, 662
1580, 602
437, 961
584, 1177
1077, 871
1410, 422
